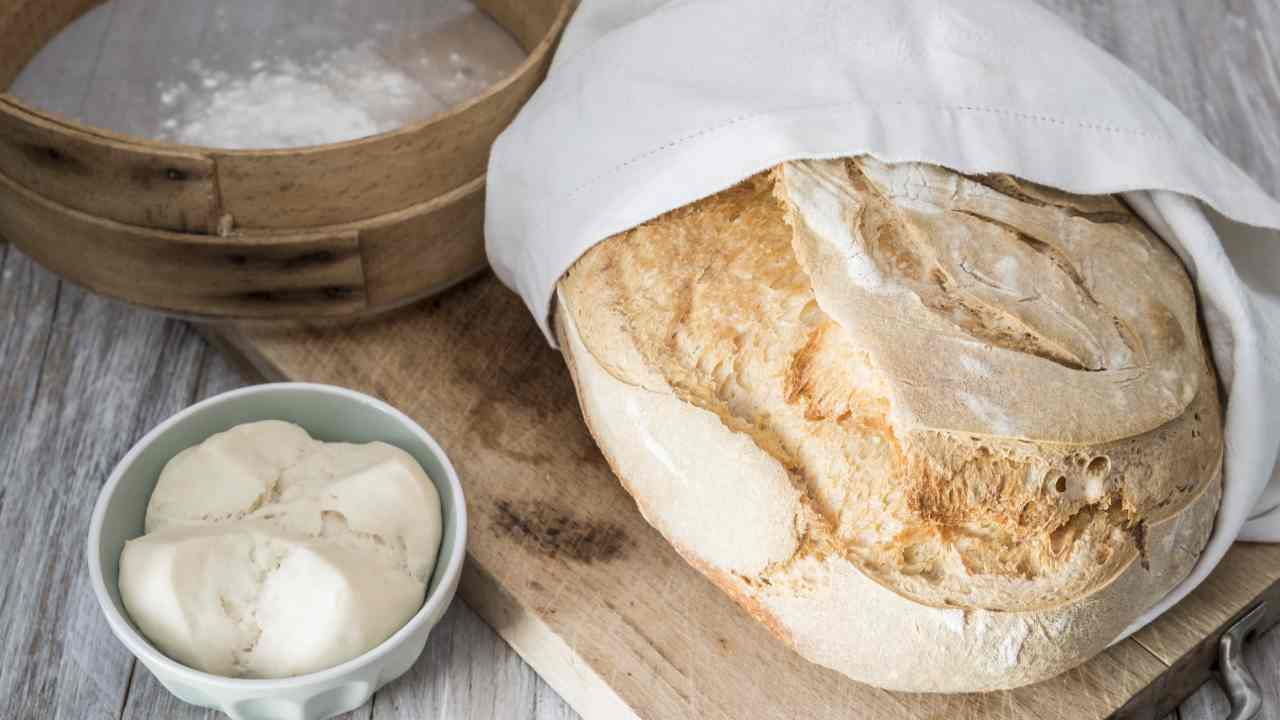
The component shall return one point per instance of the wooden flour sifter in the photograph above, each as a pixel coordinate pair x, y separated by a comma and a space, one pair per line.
327, 231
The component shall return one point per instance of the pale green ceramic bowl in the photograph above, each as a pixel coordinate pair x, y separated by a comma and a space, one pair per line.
328, 413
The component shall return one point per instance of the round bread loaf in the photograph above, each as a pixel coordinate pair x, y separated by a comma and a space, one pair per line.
937, 432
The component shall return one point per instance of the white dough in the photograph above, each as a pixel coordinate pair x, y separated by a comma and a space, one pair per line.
270, 554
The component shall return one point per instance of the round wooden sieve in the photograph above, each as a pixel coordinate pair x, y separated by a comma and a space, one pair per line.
315, 232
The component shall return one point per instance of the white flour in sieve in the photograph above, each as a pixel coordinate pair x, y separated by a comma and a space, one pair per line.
289, 73
342, 95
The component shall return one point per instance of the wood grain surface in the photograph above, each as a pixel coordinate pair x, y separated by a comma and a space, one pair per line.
84, 377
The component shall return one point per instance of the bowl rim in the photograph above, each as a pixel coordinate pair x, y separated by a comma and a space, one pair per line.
150, 655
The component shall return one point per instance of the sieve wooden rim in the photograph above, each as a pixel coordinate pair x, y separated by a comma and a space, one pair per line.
320, 231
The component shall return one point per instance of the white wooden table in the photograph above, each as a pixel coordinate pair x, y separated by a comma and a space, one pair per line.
81, 378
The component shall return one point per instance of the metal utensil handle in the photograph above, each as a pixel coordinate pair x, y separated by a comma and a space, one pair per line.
1241, 686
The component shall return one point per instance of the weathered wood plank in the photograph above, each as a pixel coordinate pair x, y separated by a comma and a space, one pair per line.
1218, 62
466, 672
219, 374
1210, 703
1262, 656
59, 655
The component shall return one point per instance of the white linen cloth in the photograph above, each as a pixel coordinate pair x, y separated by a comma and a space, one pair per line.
652, 104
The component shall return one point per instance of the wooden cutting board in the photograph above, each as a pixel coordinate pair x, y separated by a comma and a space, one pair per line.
565, 569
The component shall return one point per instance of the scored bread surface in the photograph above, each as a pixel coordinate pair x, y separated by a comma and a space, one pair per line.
938, 432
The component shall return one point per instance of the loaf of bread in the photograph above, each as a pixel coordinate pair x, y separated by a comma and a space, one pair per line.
937, 432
